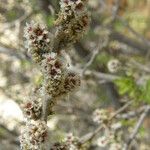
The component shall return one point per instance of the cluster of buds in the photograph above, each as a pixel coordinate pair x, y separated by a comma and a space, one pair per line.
38, 41
71, 82
59, 81
54, 70
32, 109
73, 21
114, 65
34, 136
100, 116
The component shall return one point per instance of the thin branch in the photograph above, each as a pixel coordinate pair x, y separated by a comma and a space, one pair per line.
102, 44
136, 128
139, 66
101, 75
94, 55
98, 75
88, 137
131, 114
120, 110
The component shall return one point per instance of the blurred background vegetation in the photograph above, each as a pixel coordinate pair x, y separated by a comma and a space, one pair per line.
124, 27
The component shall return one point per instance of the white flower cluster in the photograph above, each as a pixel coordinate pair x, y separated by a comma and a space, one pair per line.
106, 139
115, 146
100, 116
34, 135
109, 140
114, 65
32, 109
59, 80
71, 142
73, 20
38, 42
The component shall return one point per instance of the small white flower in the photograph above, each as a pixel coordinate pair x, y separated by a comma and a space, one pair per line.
100, 115
114, 65
102, 141
115, 146
116, 126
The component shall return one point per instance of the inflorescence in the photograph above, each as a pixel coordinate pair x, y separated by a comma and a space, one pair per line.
34, 136
73, 21
37, 40
58, 80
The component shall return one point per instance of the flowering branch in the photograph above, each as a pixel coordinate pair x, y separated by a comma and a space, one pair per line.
58, 79
89, 137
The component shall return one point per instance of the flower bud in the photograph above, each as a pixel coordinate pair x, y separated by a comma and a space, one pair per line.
32, 109
73, 21
71, 82
38, 42
34, 135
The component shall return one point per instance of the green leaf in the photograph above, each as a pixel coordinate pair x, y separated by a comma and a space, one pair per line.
127, 85
146, 92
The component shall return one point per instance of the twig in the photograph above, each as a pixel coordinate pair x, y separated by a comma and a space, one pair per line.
95, 53
131, 114
97, 75
120, 110
136, 128
101, 75
139, 66
88, 137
